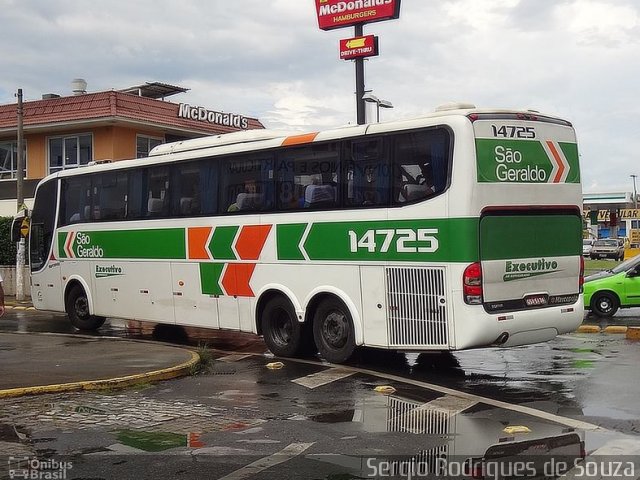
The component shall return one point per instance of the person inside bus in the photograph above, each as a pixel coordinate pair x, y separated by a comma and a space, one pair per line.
250, 199
1, 297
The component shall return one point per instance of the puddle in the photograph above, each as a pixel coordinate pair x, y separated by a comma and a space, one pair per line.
151, 441
8, 434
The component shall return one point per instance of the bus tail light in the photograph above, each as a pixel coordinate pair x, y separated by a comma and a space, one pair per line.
472, 284
581, 280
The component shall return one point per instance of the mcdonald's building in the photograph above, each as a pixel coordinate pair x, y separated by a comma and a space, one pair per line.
70, 131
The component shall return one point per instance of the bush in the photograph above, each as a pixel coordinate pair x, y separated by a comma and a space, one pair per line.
7, 249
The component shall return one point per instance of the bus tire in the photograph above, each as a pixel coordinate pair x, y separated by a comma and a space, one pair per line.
333, 331
604, 304
280, 328
77, 307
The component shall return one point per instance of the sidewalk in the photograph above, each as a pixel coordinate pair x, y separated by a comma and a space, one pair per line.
45, 363
12, 303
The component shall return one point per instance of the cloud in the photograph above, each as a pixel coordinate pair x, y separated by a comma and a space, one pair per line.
572, 58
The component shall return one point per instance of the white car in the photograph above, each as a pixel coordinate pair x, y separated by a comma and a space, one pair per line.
587, 245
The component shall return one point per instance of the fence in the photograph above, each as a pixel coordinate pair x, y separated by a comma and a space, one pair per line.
9, 281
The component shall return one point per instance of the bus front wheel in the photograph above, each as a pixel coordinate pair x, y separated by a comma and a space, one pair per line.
281, 330
333, 331
77, 306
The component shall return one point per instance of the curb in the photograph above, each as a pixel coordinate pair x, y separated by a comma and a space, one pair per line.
631, 333
180, 370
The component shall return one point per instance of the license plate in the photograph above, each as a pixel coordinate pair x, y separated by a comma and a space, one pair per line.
536, 300
602, 255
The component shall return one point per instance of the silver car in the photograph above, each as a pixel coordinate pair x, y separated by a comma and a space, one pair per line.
607, 248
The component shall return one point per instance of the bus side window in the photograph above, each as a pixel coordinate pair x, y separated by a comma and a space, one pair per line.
110, 203
248, 184
158, 192
367, 175
186, 190
76, 204
421, 165
308, 177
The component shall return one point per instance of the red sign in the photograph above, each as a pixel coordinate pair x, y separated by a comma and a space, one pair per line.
344, 13
359, 47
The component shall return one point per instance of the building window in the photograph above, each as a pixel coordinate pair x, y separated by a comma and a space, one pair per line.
145, 144
9, 159
70, 152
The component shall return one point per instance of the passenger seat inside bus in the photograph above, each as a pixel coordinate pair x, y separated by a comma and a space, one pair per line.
154, 206
249, 201
319, 195
416, 192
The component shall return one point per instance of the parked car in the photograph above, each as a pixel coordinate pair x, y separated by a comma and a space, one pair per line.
608, 248
605, 292
587, 245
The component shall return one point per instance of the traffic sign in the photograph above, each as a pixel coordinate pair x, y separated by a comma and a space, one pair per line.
359, 47
24, 227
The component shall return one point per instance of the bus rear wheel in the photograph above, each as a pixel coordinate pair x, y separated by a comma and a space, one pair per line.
281, 330
77, 307
333, 331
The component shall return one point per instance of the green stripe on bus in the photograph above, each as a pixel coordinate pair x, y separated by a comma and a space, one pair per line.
62, 239
570, 151
288, 239
530, 236
161, 243
221, 242
210, 274
521, 161
439, 240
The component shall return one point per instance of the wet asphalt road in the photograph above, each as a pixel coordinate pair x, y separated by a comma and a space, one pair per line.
217, 423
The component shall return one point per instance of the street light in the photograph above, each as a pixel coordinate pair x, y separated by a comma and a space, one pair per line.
369, 97
635, 195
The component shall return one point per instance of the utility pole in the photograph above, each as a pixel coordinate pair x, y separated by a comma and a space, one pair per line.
20, 260
360, 106
635, 195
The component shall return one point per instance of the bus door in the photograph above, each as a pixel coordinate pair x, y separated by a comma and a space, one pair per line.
46, 290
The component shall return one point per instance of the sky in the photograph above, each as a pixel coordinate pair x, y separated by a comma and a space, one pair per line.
577, 59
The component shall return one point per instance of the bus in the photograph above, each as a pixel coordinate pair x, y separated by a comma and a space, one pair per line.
458, 230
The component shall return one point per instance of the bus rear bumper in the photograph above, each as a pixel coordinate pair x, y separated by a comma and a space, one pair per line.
519, 328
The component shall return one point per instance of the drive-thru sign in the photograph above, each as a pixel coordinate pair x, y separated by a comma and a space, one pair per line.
358, 47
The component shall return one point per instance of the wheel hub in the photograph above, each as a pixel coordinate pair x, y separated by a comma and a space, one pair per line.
282, 329
335, 329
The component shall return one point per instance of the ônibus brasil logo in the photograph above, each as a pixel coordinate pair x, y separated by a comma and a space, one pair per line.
520, 270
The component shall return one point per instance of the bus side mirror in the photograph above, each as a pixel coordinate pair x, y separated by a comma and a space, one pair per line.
17, 226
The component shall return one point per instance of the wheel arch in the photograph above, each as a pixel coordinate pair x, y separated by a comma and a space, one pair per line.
613, 293
271, 291
78, 280
314, 299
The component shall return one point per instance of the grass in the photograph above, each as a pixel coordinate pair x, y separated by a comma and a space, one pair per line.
206, 359
595, 266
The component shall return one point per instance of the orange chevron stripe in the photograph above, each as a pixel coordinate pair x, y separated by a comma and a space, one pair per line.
236, 279
299, 139
251, 241
197, 241
558, 160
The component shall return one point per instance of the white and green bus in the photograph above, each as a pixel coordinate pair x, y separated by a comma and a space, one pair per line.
461, 229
